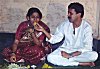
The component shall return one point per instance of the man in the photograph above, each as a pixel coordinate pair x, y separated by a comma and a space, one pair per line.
77, 47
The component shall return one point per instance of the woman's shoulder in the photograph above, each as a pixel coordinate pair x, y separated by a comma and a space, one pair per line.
86, 24
23, 23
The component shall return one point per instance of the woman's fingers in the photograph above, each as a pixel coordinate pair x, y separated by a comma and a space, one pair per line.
13, 59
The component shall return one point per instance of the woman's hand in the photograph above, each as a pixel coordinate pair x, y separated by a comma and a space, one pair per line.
31, 30
13, 58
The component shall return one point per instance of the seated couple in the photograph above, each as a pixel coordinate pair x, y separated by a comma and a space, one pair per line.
76, 48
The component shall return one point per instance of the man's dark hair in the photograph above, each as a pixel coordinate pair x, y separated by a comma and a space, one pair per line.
32, 10
78, 8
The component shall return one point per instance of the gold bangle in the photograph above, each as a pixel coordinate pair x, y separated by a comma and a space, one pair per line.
12, 53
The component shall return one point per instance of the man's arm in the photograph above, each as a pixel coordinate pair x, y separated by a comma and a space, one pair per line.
57, 37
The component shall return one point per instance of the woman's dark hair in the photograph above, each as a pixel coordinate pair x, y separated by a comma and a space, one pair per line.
78, 8
32, 10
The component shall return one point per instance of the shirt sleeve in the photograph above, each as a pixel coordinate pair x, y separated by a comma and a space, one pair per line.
58, 36
43, 36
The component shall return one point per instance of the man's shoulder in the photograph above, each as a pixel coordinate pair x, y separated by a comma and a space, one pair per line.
86, 24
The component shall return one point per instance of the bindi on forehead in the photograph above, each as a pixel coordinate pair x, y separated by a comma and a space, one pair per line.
35, 15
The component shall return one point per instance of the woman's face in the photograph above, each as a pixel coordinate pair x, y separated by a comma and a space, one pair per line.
34, 17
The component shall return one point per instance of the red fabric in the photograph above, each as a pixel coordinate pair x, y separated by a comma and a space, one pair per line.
27, 51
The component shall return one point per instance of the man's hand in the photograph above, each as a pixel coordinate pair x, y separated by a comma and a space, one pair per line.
38, 27
64, 54
76, 53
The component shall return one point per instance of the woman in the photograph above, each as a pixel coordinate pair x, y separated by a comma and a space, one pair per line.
29, 44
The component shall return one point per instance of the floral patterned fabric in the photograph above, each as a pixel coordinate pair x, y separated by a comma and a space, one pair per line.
27, 49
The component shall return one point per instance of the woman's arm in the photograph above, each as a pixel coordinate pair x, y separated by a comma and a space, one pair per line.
14, 46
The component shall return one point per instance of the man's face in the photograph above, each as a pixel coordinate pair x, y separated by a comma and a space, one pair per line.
72, 16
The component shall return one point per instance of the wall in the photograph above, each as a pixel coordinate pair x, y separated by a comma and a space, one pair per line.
97, 29
12, 12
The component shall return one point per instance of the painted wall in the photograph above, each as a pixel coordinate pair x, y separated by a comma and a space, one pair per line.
12, 12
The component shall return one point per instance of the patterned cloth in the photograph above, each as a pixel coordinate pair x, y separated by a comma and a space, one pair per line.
27, 49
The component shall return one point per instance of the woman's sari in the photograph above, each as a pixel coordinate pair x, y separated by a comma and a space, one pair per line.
26, 48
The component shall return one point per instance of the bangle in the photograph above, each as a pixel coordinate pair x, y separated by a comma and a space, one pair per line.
12, 52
